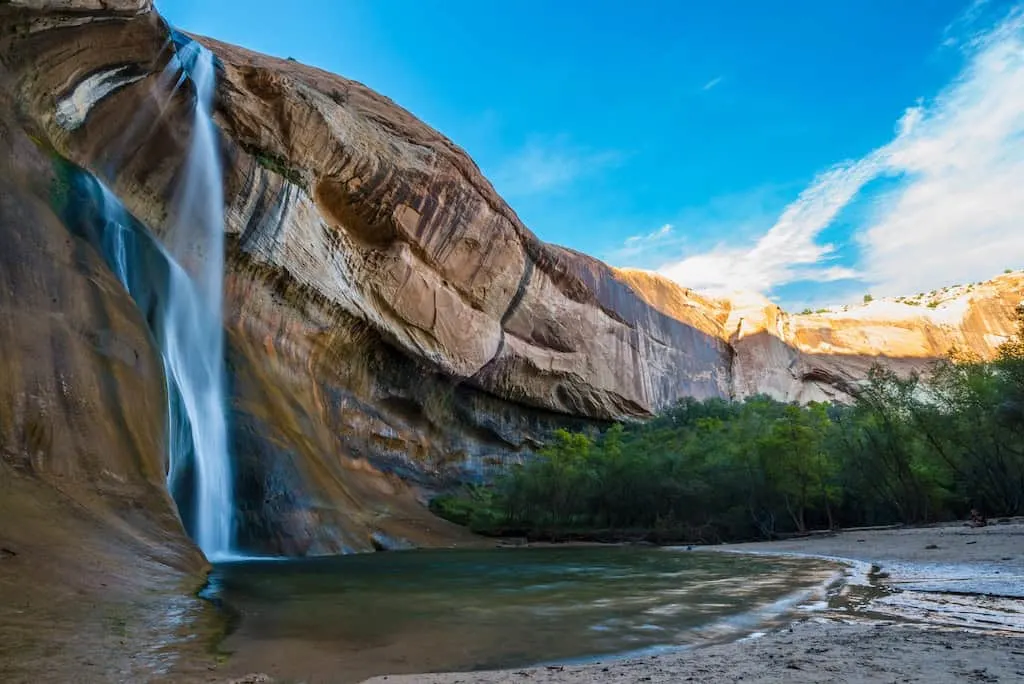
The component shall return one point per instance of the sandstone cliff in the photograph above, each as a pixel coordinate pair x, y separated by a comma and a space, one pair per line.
392, 323
388, 312
84, 511
822, 356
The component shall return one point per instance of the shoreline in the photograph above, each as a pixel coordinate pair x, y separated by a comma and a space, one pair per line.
930, 604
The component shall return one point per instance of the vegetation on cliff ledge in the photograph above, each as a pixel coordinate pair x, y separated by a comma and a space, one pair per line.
908, 450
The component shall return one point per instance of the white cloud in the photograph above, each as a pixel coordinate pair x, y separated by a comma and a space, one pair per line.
964, 23
956, 212
712, 83
641, 248
546, 165
959, 215
653, 236
788, 251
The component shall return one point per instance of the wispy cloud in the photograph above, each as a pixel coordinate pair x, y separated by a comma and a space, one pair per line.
655, 235
965, 23
712, 83
545, 165
640, 249
958, 215
738, 215
954, 211
788, 251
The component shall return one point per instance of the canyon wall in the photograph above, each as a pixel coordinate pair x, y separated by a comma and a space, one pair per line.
393, 327
84, 511
823, 355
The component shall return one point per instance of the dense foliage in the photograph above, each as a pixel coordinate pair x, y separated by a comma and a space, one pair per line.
907, 450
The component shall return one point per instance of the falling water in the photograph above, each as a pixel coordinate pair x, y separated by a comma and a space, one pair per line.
185, 310
193, 329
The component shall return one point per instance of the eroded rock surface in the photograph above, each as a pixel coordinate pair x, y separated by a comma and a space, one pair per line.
822, 356
392, 324
96, 571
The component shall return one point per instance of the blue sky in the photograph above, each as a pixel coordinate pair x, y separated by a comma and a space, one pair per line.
810, 150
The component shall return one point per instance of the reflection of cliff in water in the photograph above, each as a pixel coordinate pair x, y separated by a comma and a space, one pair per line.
346, 619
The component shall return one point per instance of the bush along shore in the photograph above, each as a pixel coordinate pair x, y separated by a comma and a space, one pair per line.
926, 448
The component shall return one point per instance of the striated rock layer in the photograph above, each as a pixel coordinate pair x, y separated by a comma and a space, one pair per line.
822, 356
392, 324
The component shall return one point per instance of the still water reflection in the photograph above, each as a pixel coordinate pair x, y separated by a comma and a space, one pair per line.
350, 617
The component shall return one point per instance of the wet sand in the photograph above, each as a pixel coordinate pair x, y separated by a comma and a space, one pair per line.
939, 604
86, 596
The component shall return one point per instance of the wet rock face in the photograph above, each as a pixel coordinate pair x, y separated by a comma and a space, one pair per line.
83, 508
390, 319
391, 323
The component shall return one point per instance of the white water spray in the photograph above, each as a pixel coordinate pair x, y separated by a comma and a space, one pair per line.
181, 293
187, 304
193, 333
181, 327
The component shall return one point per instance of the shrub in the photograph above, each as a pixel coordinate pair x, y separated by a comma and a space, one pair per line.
907, 449
278, 165
473, 506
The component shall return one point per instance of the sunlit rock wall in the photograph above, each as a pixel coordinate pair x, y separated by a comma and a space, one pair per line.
392, 324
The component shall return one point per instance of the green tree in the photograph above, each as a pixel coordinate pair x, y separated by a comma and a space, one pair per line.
907, 449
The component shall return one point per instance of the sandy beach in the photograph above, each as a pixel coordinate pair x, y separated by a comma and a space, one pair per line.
936, 604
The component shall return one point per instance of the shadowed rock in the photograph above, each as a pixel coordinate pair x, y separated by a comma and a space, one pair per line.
393, 327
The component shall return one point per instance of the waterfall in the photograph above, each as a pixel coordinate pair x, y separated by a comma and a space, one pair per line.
193, 322
184, 310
